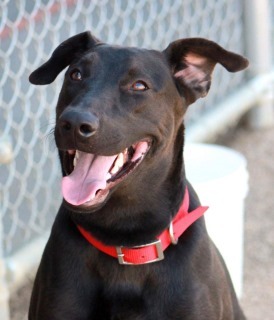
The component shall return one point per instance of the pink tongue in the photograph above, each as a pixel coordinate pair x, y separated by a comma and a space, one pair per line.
88, 177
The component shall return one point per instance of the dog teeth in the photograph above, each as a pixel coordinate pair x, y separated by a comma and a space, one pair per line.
76, 157
119, 162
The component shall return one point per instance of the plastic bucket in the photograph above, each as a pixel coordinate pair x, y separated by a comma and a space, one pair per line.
220, 178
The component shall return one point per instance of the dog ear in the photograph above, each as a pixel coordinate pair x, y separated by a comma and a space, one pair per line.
62, 56
192, 62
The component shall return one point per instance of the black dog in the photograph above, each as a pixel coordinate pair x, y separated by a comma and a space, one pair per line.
120, 135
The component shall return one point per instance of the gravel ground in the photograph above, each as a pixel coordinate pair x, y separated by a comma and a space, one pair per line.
258, 291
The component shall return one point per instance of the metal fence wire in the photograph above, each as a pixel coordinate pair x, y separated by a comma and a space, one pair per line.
29, 32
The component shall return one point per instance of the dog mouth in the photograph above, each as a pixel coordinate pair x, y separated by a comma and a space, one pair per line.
90, 177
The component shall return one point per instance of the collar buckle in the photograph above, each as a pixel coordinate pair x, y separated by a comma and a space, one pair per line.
157, 244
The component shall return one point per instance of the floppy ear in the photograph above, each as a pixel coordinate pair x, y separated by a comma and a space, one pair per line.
192, 62
62, 56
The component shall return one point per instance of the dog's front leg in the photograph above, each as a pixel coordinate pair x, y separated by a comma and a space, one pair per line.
64, 287
59, 296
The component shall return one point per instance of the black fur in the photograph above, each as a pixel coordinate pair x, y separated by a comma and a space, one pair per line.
75, 280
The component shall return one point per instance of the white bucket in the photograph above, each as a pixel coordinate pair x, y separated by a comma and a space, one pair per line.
220, 178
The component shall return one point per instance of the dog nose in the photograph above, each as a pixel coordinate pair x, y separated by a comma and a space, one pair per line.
83, 124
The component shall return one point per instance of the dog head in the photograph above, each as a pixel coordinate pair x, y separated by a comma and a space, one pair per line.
121, 109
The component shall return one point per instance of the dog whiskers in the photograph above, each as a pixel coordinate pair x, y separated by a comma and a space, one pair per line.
49, 138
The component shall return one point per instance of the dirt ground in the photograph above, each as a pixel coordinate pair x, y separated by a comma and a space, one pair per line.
258, 291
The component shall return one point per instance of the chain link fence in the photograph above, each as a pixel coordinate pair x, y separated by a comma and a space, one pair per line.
31, 29
271, 7
29, 32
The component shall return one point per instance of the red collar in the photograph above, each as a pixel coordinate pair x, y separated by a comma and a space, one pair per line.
153, 251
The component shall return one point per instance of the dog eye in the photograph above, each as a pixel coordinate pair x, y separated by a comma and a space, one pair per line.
139, 86
76, 75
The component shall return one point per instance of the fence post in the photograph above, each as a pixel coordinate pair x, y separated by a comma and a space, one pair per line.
259, 52
4, 292
6, 156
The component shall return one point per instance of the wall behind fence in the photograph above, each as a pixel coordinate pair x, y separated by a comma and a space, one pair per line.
29, 31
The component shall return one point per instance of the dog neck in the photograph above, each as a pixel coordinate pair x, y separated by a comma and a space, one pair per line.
153, 251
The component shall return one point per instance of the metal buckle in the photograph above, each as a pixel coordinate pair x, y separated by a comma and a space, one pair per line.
171, 234
157, 243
